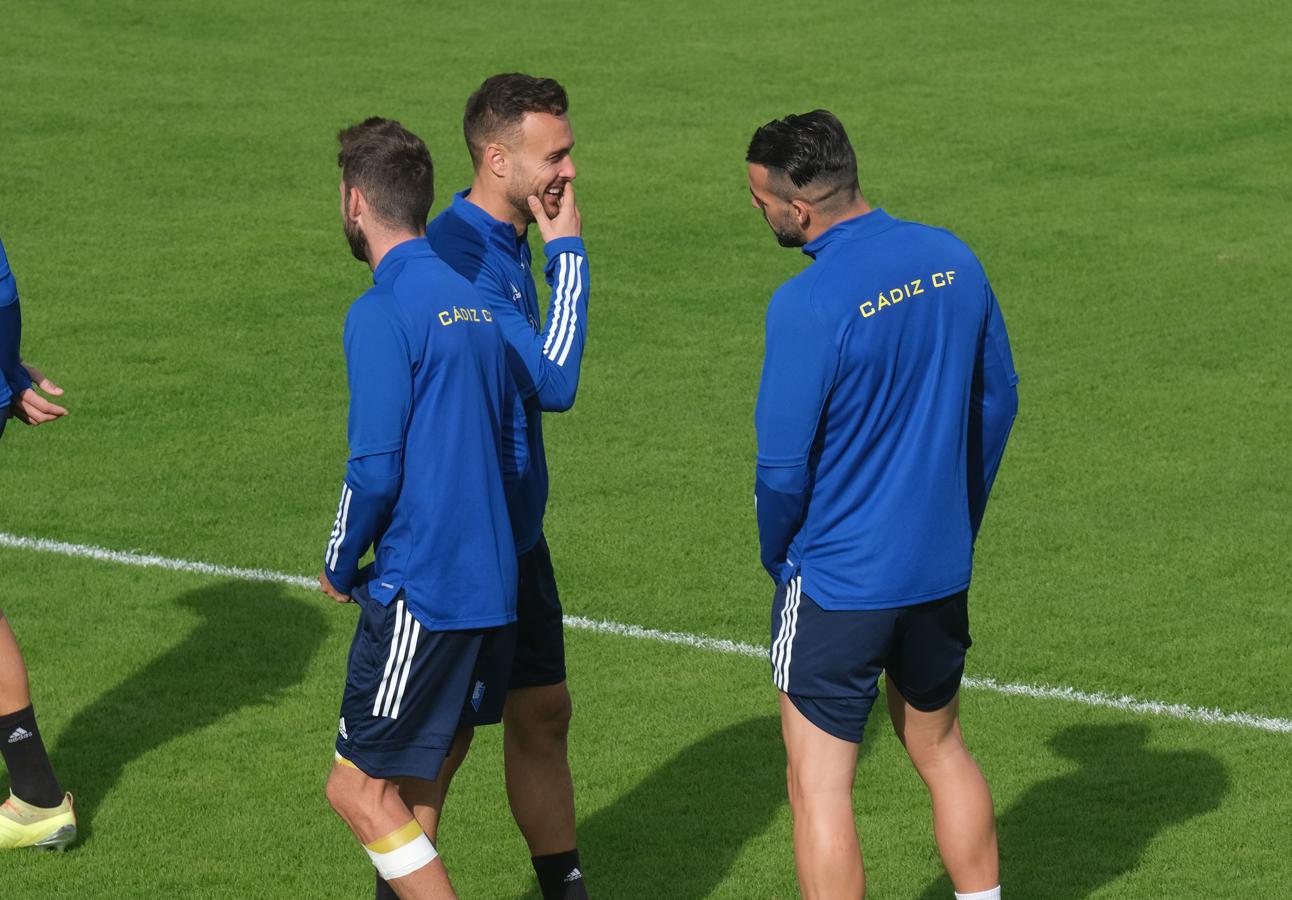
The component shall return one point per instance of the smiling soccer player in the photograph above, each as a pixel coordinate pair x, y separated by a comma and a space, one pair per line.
520, 141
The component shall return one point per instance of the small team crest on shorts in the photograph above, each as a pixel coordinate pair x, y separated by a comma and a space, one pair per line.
477, 695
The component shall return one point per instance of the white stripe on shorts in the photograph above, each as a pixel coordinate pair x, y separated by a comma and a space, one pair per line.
401, 663
408, 665
794, 627
390, 660
782, 647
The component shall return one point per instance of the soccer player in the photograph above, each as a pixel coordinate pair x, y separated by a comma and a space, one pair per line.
435, 444
38, 813
520, 141
887, 395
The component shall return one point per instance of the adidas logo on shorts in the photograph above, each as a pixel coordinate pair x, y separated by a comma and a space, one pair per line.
341, 728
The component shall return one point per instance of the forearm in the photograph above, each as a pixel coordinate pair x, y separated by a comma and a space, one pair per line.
991, 421
560, 350
367, 497
13, 376
780, 498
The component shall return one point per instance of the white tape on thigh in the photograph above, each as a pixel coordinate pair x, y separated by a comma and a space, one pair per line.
403, 860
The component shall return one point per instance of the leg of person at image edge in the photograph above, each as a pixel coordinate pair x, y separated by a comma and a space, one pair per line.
37, 812
396, 837
821, 770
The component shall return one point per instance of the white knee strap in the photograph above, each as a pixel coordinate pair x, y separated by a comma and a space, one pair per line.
403, 851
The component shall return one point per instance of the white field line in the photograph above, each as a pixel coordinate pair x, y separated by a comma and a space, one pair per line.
1128, 704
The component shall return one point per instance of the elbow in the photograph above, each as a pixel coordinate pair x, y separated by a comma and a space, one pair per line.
556, 398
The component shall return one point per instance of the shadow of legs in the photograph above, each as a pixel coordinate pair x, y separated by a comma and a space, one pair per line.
253, 640
1069, 835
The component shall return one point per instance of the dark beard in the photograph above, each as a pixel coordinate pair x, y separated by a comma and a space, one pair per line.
789, 239
786, 235
357, 239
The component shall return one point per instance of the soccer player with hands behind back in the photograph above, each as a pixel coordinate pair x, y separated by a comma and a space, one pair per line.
436, 436
887, 395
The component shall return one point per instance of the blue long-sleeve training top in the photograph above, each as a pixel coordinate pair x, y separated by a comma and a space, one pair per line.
436, 436
888, 392
13, 377
544, 359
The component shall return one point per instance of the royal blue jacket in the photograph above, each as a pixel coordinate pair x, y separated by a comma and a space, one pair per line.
887, 395
13, 377
544, 359
436, 437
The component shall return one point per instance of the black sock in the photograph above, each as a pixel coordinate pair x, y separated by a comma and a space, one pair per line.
559, 876
31, 777
384, 890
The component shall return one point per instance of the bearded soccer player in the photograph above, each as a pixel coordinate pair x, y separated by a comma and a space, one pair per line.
520, 141
887, 395
37, 813
436, 445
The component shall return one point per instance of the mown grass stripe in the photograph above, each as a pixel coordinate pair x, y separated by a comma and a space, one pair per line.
1123, 703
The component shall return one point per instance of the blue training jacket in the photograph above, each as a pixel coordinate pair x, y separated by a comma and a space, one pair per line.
436, 438
13, 377
544, 360
887, 395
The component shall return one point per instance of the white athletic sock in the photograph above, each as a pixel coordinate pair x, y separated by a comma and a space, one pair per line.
993, 894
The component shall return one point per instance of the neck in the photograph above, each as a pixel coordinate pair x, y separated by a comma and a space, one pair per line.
379, 244
485, 195
819, 226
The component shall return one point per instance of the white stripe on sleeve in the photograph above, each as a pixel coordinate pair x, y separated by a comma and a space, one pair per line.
558, 304
576, 293
338, 529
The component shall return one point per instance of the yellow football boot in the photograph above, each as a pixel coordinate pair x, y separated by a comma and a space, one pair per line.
24, 825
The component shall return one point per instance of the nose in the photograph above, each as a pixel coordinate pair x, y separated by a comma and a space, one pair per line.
567, 169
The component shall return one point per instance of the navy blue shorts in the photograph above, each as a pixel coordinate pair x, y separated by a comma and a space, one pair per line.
408, 691
540, 635
828, 662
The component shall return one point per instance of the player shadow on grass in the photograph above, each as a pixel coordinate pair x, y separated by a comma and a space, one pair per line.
253, 641
678, 832
1070, 835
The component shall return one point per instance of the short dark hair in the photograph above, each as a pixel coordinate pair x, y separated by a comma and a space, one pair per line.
811, 148
501, 102
392, 167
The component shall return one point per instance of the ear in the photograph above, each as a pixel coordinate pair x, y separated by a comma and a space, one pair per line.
496, 160
356, 204
802, 212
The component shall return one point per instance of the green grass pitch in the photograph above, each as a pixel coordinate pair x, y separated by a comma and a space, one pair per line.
168, 203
